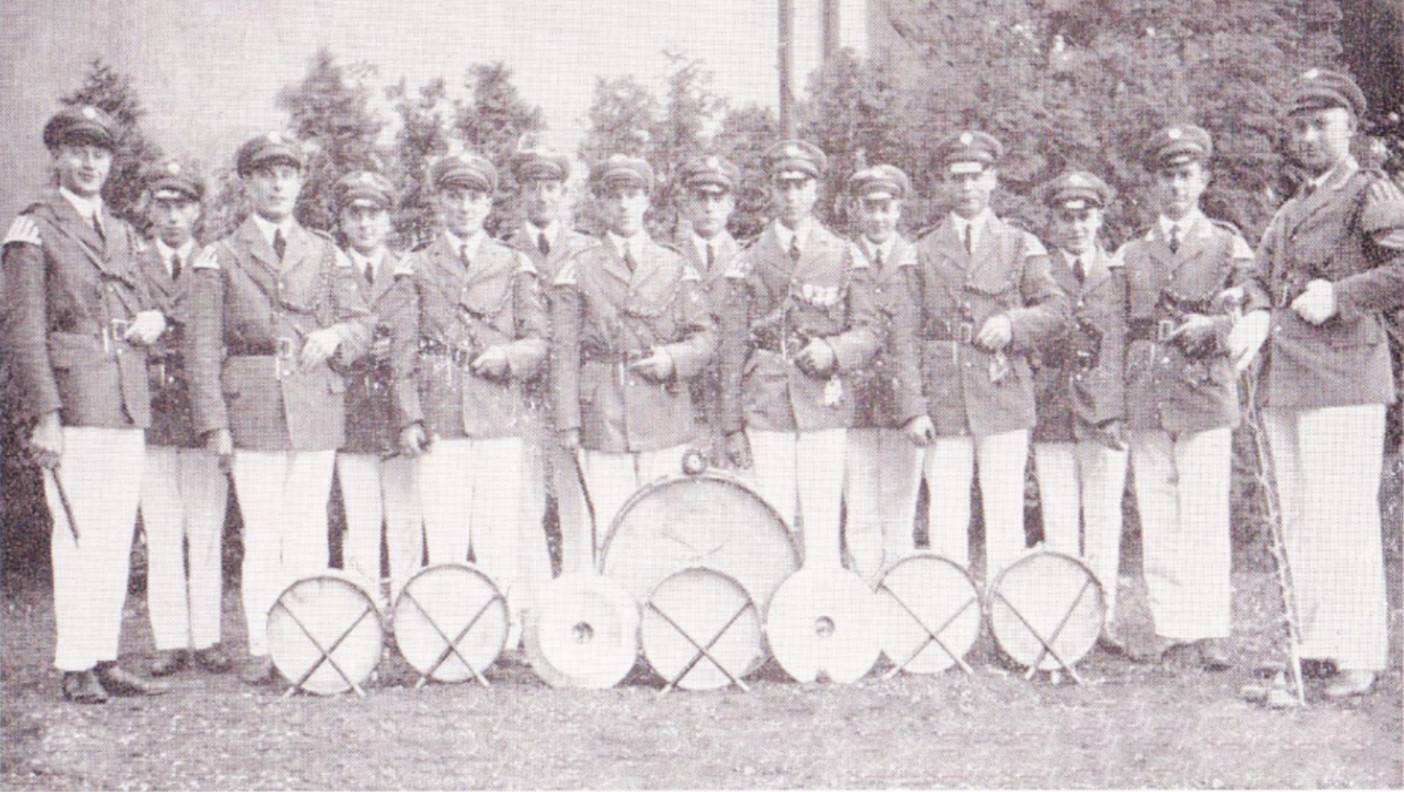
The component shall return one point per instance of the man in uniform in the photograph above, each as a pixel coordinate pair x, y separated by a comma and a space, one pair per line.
798, 322
270, 305
377, 483
982, 300
184, 492
470, 331
546, 237
1079, 445
708, 199
1330, 263
631, 329
76, 319
1181, 400
884, 468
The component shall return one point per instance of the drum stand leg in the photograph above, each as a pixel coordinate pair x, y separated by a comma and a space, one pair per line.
932, 636
451, 645
326, 652
1048, 642
703, 650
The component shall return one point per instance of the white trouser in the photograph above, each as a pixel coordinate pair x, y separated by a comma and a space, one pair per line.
375, 489
613, 477
801, 475
283, 498
949, 468
551, 471
1083, 479
183, 496
474, 497
880, 487
1328, 479
101, 470
1182, 495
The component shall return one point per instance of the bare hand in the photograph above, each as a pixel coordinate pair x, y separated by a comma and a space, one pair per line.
145, 328
920, 431
1247, 337
817, 358
738, 450
221, 443
319, 346
1196, 329
491, 364
1317, 303
657, 367
413, 441
46, 440
996, 333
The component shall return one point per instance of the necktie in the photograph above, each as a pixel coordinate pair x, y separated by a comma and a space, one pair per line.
1079, 271
97, 226
1174, 238
280, 245
711, 255
877, 259
463, 255
794, 248
629, 259
1308, 188
970, 238
175, 266
370, 273
543, 244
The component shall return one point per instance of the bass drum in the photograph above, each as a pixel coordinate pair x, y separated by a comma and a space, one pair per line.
324, 633
710, 519
1046, 610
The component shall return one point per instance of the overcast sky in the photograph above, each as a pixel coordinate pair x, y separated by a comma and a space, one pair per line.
209, 71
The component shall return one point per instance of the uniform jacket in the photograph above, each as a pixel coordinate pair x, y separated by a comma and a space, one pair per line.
63, 287
706, 389
1077, 373
172, 417
371, 425
774, 307
604, 317
950, 293
246, 308
1167, 387
1334, 234
445, 315
874, 387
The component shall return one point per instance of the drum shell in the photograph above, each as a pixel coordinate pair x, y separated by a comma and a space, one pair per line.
327, 604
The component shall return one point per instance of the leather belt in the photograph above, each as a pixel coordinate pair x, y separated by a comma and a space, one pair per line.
1155, 330
961, 332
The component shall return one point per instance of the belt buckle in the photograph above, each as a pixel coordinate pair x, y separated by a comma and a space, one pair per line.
1164, 329
116, 332
282, 353
965, 332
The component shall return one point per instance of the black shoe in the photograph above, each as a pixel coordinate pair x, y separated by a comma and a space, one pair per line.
1109, 643
213, 659
1318, 668
124, 683
169, 662
82, 687
1154, 651
258, 671
1213, 654
1351, 683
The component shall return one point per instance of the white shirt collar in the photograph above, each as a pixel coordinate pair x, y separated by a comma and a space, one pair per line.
85, 207
363, 263
1347, 165
270, 229
166, 251
1087, 258
633, 243
977, 226
466, 247
701, 245
550, 230
787, 235
871, 248
1185, 223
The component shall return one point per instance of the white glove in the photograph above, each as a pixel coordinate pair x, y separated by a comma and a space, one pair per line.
146, 327
996, 333
319, 346
1247, 337
1317, 303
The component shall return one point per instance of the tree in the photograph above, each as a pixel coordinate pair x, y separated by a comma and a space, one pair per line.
743, 138
496, 123
330, 110
111, 91
422, 137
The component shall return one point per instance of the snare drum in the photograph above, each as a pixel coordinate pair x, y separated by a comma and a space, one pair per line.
930, 611
1046, 610
451, 622
701, 630
325, 634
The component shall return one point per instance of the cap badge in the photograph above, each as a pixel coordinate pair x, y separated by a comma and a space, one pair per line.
275, 137
713, 163
173, 168
90, 113
1311, 74
1076, 180
792, 151
366, 178
966, 138
1174, 133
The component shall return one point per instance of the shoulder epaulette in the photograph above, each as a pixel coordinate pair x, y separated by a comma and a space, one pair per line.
1033, 246
1115, 259
856, 258
1226, 225
208, 259
567, 275
524, 264
690, 273
343, 261
23, 231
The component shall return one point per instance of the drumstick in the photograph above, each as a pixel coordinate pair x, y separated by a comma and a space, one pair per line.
589, 505
63, 500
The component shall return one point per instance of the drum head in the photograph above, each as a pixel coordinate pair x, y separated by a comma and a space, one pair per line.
447, 604
334, 611
712, 520
824, 622
923, 595
584, 632
700, 607
1046, 597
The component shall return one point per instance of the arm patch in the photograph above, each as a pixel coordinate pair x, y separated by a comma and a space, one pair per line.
23, 231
